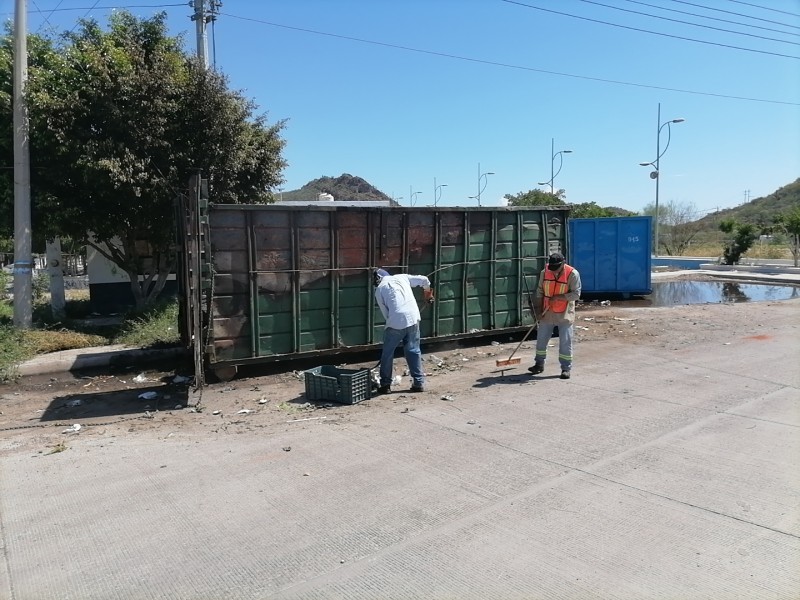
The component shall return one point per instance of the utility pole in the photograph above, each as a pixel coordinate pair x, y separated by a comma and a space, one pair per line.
23, 259
205, 12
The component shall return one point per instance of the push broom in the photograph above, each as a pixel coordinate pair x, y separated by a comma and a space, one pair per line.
510, 361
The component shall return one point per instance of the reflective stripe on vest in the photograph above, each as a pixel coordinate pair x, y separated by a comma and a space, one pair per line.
556, 287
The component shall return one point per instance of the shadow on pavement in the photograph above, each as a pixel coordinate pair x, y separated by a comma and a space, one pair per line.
115, 403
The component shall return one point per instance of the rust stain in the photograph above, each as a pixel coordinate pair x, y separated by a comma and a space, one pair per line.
761, 337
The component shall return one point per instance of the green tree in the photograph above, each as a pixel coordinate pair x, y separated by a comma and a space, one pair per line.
744, 234
788, 223
120, 119
536, 197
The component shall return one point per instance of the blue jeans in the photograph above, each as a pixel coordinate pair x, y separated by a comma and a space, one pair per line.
543, 334
410, 340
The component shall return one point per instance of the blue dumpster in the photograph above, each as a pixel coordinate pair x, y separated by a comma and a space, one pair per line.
612, 255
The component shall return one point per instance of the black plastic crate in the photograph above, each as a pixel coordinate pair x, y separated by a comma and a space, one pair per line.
345, 386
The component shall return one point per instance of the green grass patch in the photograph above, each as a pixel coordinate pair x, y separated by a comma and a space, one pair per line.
155, 327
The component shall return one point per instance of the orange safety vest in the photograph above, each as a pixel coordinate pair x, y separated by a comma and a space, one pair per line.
556, 287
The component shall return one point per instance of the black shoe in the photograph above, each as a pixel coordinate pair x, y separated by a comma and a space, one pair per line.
417, 388
384, 389
564, 374
536, 369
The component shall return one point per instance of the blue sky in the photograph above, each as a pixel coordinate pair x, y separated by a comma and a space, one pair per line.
402, 93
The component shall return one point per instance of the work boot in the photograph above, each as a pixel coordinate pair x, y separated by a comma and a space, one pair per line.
536, 369
384, 389
564, 374
417, 388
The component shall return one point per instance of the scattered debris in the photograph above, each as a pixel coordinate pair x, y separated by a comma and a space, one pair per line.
471, 422
73, 429
148, 395
181, 379
59, 447
448, 398
217, 412
263, 400
306, 419
74, 403
244, 411
141, 378
287, 448
495, 343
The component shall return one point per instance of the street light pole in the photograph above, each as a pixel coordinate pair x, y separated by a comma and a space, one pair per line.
412, 195
553, 154
481, 178
656, 174
437, 191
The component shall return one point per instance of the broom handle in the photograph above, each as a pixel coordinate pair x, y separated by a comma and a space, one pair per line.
523, 341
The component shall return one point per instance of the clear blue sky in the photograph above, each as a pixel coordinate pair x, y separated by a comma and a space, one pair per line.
405, 92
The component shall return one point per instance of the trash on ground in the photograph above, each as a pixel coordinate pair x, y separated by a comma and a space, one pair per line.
471, 422
216, 412
448, 398
495, 343
148, 395
181, 379
605, 303
287, 448
76, 402
306, 419
73, 429
244, 411
141, 378
263, 400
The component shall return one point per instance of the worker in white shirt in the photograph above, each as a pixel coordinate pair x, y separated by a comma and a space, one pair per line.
399, 307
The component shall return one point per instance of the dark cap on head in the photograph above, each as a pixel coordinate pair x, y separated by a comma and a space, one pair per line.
556, 260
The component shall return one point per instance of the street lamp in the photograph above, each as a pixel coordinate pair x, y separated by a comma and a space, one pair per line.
656, 173
412, 195
437, 191
560, 154
484, 179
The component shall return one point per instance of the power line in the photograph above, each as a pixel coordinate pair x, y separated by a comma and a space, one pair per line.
636, 12
765, 8
678, 37
683, 12
505, 65
735, 13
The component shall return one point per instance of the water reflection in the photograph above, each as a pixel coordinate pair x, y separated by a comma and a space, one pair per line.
670, 293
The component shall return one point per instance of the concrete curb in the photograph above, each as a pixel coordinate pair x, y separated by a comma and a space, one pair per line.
97, 358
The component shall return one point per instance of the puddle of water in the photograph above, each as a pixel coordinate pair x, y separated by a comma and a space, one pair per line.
674, 293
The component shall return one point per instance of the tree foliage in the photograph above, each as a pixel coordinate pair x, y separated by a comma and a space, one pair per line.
119, 121
678, 226
789, 224
744, 235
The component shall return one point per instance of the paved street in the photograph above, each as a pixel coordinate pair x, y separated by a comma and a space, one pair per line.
667, 467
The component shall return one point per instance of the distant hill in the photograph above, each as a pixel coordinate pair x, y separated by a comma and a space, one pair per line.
761, 211
345, 187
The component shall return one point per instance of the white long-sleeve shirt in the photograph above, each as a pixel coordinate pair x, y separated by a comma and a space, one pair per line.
396, 299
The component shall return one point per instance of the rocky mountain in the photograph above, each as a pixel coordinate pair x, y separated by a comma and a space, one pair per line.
345, 187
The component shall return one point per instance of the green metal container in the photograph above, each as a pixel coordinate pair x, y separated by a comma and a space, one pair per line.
295, 281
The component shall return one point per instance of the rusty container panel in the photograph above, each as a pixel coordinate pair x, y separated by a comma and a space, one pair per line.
296, 281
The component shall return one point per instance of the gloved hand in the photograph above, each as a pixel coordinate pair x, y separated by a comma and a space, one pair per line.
428, 293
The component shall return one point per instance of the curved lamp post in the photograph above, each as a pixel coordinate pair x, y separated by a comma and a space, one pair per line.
483, 181
412, 195
655, 164
437, 191
560, 154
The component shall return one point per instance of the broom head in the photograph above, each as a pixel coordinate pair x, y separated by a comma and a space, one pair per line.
508, 362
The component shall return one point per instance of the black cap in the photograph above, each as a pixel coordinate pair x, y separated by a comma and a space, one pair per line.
556, 260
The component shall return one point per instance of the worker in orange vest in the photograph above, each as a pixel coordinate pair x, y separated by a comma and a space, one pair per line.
559, 288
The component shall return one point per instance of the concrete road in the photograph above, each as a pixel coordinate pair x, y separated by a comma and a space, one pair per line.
668, 467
